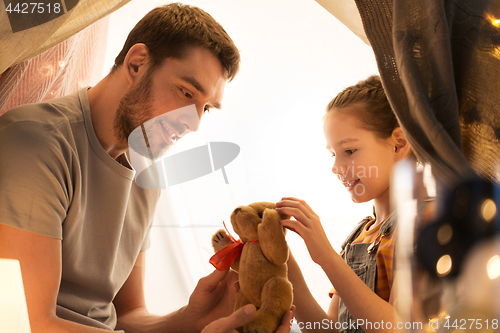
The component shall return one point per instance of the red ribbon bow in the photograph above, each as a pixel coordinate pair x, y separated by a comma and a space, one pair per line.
223, 259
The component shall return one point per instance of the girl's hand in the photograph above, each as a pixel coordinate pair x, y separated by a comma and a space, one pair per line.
308, 226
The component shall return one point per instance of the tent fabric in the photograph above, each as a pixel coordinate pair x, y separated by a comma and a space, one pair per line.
28, 30
439, 62
63, 69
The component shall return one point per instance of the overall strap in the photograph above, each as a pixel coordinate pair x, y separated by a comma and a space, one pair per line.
389, 225
386, 229
355, 233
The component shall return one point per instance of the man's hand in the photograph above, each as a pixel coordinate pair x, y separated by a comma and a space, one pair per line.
286, 323
229, 324
243, 316
213, 298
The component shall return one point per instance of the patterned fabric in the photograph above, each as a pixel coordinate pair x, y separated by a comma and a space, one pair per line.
67, 67
26, 34
439, 62
385, 258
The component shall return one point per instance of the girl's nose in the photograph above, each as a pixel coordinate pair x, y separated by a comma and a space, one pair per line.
339, 171
337, 168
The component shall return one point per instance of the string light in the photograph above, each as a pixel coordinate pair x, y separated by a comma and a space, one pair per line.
444, 234
47, 70
488, 210
444, 264
494, 21
493, 267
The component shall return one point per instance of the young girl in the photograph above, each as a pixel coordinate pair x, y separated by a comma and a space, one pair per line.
363, 135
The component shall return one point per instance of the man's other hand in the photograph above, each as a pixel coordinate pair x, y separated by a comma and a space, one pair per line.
243, 316
229, 324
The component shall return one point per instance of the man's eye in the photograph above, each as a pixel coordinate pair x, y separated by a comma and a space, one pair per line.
188, 95
206, 110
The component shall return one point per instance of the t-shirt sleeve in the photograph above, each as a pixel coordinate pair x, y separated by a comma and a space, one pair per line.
34, 177
147, 240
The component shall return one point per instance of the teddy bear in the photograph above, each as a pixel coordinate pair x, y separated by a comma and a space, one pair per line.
261, 266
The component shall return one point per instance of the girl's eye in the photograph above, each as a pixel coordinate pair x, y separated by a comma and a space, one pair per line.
188, 95
350, 151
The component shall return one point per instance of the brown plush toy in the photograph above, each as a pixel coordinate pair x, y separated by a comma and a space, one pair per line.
262, 265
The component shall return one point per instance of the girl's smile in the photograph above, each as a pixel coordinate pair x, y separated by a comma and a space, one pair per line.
363, 161
349, 184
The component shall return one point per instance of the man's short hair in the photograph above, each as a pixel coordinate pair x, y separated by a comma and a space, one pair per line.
169, 31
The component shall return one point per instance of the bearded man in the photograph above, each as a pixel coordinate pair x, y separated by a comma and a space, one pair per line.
71, 212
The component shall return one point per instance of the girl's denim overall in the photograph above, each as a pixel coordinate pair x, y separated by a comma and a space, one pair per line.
363, 262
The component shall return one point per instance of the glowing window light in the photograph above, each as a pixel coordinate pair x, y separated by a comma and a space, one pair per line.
493, 267
443, 266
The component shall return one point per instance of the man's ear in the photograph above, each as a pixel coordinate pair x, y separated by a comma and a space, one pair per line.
135, 60
402, 147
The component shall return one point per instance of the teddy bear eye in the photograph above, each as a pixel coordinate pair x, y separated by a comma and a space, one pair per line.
260, 214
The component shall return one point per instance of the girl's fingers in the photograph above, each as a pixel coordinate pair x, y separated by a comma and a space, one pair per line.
294, 226
295, 212
290, 198
290, 204
308, 207
298, 203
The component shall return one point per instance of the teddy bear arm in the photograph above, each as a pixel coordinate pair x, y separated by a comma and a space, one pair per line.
278, 255
220, 240
272, 238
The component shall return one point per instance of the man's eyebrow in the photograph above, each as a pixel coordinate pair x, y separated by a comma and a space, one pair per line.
192, 81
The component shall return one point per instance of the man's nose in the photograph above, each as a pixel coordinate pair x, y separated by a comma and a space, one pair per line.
190, 118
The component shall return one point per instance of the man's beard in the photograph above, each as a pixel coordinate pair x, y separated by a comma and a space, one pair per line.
134, 109
133, 121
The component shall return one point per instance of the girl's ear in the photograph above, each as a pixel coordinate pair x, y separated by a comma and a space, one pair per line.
402, 147
136, 58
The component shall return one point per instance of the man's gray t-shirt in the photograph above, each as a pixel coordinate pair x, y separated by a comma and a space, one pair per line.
56, 180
